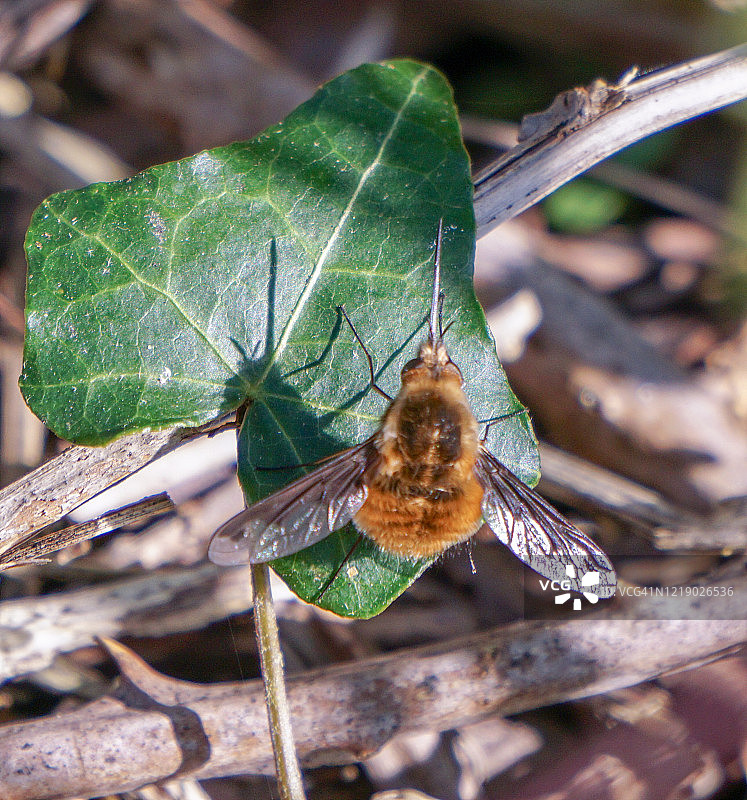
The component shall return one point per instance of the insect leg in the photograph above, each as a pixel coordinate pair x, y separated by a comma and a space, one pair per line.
515, 413
368, 355
344, 561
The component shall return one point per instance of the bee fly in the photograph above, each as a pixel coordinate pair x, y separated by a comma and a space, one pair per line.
422, 483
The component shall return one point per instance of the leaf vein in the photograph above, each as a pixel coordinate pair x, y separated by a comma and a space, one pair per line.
154, 287
317, 270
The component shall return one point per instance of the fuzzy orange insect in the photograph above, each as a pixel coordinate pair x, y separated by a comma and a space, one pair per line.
422, 483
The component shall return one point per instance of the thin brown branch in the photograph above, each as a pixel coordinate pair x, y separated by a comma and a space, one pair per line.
42, 544
65, 482
726, 529
577, 482
155, 728
649, 104
653, 188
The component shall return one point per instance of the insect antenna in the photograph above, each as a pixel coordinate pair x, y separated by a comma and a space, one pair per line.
437, 301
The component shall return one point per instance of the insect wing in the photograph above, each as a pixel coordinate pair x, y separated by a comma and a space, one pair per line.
298, 515
537, 534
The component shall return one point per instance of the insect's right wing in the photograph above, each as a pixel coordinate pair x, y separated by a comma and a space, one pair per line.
539, 535
298, 515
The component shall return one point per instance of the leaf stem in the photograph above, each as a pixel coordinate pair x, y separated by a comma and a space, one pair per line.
276, 699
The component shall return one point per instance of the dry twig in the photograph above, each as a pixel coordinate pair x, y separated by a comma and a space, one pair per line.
648, 104
34, 550
154, 727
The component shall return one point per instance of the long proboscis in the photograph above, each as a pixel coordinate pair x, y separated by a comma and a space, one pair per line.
434, 320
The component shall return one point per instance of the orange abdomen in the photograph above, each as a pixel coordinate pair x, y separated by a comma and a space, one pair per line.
420, 526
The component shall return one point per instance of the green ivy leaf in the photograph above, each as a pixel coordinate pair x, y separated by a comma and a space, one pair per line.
200, 285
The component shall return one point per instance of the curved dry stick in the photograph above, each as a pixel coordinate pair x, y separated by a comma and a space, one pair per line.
649, 104
154, 727
63, 483
35, 549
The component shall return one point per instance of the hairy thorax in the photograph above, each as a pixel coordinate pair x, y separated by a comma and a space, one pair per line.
422, 492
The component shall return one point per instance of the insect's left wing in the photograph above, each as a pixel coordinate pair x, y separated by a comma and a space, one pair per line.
298, 515
540, 536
